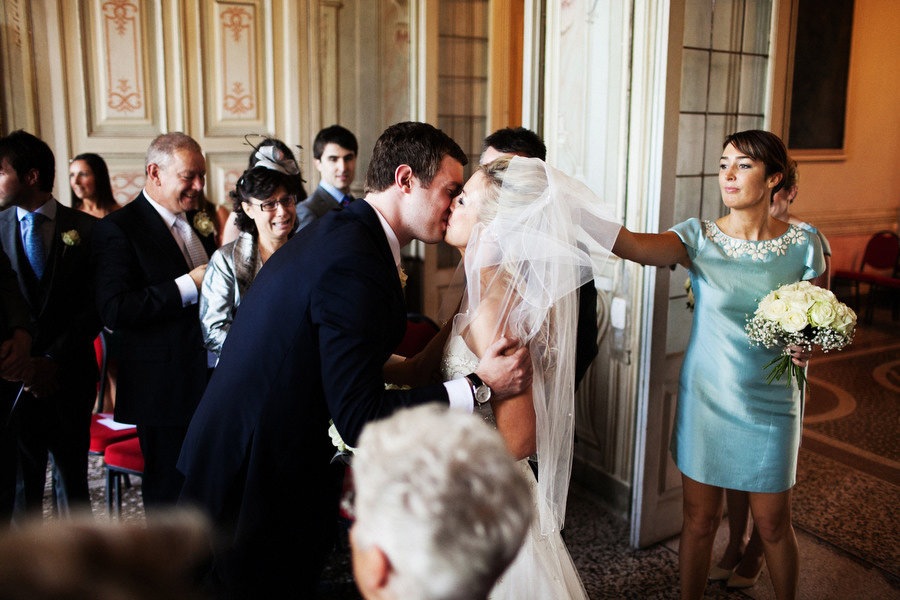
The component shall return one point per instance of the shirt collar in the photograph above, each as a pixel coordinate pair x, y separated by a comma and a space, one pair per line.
48, 209
335, 193
167, 215
393, 242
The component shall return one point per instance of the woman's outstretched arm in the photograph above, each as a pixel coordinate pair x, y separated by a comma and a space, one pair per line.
655, 249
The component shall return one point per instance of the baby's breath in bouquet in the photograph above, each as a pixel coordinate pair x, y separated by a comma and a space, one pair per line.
799, 314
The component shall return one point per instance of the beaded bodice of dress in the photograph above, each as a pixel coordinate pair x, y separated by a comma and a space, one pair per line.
458, 361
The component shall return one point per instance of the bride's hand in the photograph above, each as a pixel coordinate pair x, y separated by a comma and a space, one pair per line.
506, 368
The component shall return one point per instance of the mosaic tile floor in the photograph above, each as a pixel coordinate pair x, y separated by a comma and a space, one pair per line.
846, 518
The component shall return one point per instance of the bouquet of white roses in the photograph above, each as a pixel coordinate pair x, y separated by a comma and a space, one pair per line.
800, 314
344, 453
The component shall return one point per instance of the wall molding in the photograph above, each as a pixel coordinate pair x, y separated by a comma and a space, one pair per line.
850, 222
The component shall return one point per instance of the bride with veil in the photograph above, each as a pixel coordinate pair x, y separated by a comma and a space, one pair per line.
529, 236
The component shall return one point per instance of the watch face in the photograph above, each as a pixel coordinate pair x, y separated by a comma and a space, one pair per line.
482, 394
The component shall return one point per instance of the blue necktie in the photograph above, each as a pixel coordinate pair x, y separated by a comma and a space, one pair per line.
345, 201
34, 243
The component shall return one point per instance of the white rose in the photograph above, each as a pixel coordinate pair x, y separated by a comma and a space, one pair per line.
773, 310
799, 299
794, 320
337, 440
845, 319
821, 295
822, 314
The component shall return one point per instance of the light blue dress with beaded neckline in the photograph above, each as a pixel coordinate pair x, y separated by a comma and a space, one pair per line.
732, 429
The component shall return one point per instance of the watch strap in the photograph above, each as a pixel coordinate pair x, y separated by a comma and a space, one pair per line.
475, 379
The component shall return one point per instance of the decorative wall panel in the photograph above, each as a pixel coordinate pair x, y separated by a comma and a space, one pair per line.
118, 63
127, 178
222, 172
235, 68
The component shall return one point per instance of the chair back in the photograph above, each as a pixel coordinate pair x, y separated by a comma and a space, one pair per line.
100, 352
419, 331
882, 251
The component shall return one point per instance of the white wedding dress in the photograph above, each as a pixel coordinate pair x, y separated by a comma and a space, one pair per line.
543, 569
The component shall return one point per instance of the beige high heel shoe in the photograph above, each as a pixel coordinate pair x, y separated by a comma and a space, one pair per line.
741, 582
717, 573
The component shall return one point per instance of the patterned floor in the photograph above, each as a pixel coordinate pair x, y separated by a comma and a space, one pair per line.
846, 507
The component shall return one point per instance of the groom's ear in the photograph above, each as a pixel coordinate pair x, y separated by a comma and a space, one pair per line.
403, 177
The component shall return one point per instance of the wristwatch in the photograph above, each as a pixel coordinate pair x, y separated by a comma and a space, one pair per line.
480, 390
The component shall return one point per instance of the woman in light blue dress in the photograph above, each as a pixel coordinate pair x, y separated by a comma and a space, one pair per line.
733, 430
742, 560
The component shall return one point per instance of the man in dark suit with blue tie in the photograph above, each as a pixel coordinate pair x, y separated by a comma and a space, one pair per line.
308, 345
335, 151
150, 259
48, 245
15, 355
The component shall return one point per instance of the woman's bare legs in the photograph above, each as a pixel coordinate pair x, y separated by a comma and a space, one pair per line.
772, 518
738, 518
702, 512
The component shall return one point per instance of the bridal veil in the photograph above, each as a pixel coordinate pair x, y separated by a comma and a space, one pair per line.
548, 236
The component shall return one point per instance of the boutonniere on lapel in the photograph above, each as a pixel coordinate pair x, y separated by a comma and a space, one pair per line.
203, 224
71, 238
402, 275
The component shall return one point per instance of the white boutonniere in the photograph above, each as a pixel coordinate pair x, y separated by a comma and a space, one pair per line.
203, 224
402, 275
71, 238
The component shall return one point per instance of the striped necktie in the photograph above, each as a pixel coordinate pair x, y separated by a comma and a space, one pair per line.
191, 245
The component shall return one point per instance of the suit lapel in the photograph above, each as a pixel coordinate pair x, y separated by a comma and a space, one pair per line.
158, 232
9, 229
208, 241
62, 222
366, 214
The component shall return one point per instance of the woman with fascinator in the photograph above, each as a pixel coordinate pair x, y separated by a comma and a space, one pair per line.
265, 212
274, 154
522, 228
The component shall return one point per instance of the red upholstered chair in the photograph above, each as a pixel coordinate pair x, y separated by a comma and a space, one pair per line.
419, 331
880, 269
122, 459
100, 352
106, 431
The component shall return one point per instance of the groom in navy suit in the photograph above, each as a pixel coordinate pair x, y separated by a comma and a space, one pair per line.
308, 345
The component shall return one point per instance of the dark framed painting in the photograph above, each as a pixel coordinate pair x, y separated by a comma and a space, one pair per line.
821, 66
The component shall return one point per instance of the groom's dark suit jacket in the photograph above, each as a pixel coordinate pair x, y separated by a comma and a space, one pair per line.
307, 344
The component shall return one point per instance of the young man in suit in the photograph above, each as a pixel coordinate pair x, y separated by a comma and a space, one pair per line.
15, 355
48, 245
150, 259
334, 153
307, 346
520, 141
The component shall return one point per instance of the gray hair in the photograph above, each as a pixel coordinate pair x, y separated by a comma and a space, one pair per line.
164, 146
438, 492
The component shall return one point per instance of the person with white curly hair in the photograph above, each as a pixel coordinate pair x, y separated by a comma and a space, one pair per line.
440, 507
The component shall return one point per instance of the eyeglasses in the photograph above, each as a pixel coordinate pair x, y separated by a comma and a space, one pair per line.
271, 205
